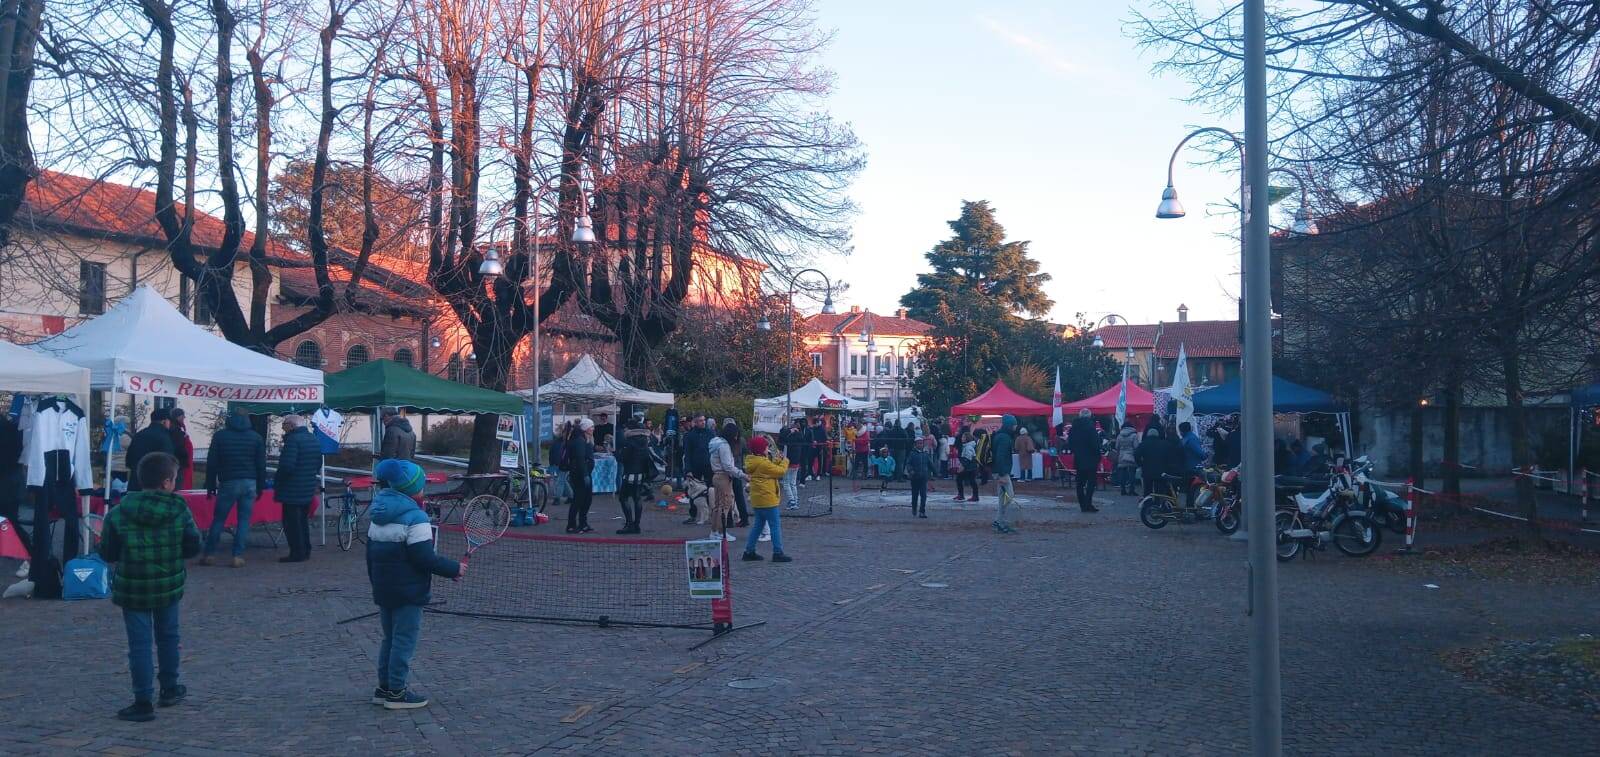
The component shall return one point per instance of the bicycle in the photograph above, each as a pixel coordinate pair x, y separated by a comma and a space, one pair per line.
1159, 508
351, 511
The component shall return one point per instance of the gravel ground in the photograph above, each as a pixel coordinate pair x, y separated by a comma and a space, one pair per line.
1560, 673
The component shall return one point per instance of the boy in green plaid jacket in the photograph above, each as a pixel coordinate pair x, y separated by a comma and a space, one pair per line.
148, 537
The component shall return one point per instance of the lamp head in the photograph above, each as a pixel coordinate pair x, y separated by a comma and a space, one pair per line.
763, 324
1303, 225
583, 231
1098, 342
827, 304
491, 266
1170, 207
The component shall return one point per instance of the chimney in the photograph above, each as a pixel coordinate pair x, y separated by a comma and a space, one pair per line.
1183, 313
855, 308
900, 312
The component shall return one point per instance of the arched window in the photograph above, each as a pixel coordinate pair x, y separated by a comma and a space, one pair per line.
452, 369
356, 355
308, 354
403, 357
469, 373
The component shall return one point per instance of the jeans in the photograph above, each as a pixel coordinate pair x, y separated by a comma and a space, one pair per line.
1086, 480
1005, 493
967, 477
740, 502
790, 494
401, 627
242, 492
919, 495
152, 627
764, 517
296, 530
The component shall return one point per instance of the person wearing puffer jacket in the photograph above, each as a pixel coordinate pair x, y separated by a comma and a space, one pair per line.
765, 473
1126, 445
295, 485
236, 472
401, 564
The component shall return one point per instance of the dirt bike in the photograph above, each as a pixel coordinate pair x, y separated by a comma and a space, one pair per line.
1159, 508
1229, 505
1314, 522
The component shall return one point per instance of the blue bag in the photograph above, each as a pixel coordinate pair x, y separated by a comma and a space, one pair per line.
86, 577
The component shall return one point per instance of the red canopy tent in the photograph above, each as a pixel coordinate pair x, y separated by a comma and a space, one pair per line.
1140, 402
1001, 400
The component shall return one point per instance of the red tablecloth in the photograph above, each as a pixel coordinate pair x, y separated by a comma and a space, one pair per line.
203, 507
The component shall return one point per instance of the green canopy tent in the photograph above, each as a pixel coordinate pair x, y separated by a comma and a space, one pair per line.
385, 383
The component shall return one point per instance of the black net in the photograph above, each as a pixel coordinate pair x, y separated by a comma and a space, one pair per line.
548, 577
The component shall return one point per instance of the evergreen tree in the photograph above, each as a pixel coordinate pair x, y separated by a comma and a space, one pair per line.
976, 297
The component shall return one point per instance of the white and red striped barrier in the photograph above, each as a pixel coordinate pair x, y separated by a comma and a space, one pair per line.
1583, 496
1411, 516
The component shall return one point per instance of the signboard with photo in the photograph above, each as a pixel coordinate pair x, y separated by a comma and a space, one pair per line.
703, 559
505, 427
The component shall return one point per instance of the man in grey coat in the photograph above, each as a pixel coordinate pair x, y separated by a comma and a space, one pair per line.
399, 441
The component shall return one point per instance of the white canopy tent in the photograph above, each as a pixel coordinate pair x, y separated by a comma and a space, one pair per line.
27, 372
589, 383
815, 395
143, 345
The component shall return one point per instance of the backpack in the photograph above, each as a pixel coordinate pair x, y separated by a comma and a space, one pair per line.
87, 577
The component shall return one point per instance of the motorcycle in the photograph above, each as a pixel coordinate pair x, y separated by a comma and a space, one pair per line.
1384, 507
1314, 522
1229, 504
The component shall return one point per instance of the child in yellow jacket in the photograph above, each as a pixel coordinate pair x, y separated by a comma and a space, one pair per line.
765, 473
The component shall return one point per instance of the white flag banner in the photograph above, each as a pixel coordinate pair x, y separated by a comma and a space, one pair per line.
1182, 393
1055, 404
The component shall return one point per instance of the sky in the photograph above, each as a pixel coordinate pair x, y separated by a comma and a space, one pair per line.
1049, 111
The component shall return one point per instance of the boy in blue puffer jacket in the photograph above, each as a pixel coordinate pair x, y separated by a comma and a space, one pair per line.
401, 564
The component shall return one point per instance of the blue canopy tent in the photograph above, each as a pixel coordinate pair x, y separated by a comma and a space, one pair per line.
1287, 397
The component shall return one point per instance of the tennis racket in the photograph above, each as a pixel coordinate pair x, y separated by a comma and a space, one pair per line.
485, 520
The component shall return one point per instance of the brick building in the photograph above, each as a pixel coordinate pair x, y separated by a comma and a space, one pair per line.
864, 355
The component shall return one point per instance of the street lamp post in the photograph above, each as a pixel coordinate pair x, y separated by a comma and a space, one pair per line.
766, 325
1266, 701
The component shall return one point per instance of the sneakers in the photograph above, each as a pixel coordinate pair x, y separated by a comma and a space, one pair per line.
173, 695
793, 506
781, 557
999, 528
766, 535
22, 572
238, 562
689, 521
751, 557
381, 695
208, 560
404, 700
138, 712
922, 515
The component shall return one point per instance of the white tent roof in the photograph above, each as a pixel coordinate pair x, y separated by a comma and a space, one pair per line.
25, 371
588, 382
143, 345
811, 396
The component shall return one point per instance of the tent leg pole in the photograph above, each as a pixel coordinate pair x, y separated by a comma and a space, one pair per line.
105, 495
322, 499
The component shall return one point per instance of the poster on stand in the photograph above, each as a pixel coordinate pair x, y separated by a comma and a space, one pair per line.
703, 559
510, 454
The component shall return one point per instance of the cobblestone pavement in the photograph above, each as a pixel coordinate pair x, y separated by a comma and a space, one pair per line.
1081, 634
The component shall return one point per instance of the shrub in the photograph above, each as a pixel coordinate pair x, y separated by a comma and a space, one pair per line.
449, 437
741, 409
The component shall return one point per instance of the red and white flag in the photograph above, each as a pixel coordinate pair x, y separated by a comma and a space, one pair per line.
1055, 405
10, 543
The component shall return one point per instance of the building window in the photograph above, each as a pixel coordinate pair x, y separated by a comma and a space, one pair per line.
816, 360
452, 369
469, 372
403, 357
356, 355
308, 355
91, 288
546, 369
202, 311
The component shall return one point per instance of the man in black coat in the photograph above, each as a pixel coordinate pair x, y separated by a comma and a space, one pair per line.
697, 457
820, 461
1083, 441
633, 458
236, 472
156, 437
296, 484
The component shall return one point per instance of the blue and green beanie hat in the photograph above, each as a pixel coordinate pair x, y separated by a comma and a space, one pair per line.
402, 476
